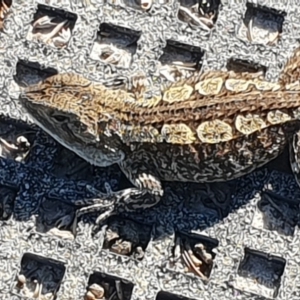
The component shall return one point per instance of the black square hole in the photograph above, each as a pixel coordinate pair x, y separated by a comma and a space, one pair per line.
8, 196
194, 253
180, 60
139, 5
261, 25
39, 276
53, 213
115, 45
28, 73
103, 286
4, 9
276, 214
199, 13
169, 296
52, 26
261, 269
127, 237
16, 140
240, 66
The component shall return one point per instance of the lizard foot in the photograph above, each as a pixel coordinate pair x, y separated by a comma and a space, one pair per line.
112, 203
294, 149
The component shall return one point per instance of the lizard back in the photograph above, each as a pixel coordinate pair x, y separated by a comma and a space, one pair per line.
215, 107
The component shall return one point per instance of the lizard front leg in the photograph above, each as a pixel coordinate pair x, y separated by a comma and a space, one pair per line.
146, 193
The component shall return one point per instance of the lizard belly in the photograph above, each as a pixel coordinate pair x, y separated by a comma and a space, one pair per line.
215, 162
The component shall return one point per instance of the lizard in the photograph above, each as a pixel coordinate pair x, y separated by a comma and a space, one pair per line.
212, 127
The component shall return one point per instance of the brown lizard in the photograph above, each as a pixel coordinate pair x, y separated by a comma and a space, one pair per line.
212, 127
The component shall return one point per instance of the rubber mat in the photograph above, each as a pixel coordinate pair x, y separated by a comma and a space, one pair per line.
242, 236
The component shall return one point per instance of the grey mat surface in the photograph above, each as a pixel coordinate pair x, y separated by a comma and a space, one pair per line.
254, 241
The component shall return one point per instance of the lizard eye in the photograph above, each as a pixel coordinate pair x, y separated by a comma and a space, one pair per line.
60, 118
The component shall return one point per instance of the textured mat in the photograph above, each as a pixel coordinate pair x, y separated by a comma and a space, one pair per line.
248, 240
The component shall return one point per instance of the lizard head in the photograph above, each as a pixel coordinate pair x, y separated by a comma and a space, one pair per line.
65, 107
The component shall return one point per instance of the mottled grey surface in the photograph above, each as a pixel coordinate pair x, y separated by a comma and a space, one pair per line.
250, 256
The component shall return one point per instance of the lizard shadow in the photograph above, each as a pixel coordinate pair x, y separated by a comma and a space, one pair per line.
245, 201
191, 207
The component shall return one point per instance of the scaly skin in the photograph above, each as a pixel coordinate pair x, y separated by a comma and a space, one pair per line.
213, 127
